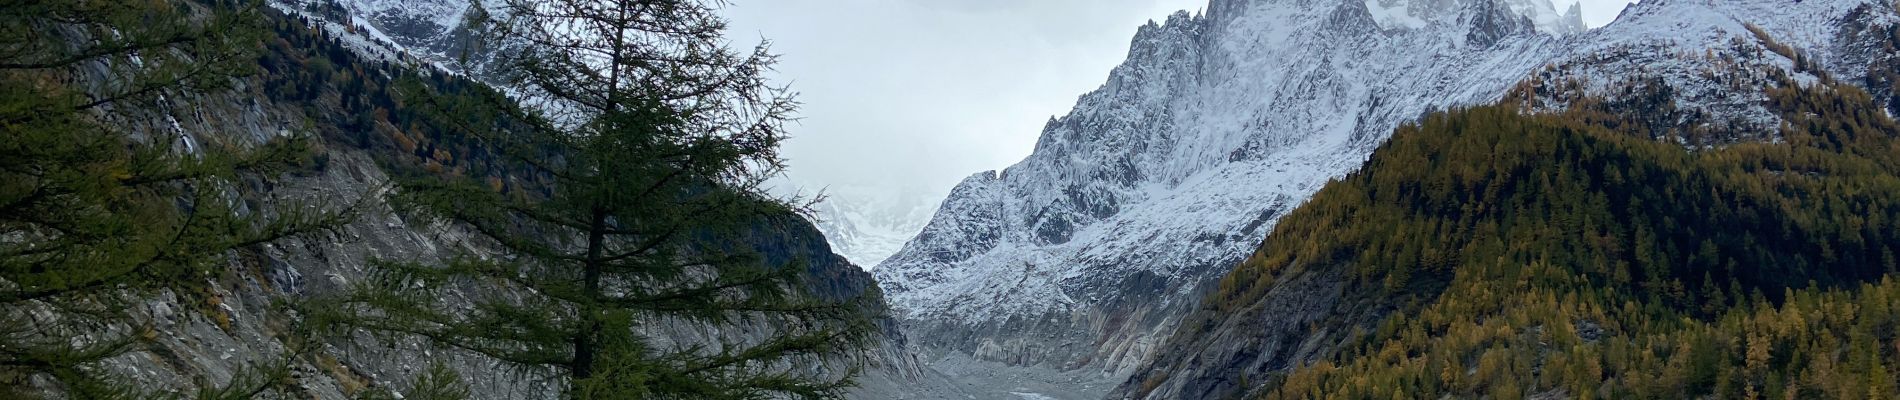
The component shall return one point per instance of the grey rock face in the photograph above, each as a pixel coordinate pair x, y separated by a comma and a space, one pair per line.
245, 329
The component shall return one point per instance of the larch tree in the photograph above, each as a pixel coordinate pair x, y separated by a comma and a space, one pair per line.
102, 204
641, 155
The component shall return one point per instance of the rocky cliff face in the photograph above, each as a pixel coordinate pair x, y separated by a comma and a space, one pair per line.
1678, 64
1085, 255
213, 343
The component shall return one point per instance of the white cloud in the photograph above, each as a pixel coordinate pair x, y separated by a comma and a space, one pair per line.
920, 93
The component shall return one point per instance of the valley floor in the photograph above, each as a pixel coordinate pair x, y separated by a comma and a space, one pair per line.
957, 376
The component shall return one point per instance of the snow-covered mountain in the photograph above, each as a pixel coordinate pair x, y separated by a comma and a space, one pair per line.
867, 224
1085, 255
1420, 13
1086, 252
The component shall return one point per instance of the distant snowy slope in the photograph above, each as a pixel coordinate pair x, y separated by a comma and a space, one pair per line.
867, 224
431, 29
356, 33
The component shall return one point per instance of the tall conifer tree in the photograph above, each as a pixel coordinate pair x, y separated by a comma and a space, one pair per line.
101, 206
641, 162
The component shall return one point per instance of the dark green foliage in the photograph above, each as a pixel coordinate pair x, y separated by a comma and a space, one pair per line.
399, 114
618, 209
1547, 254
102, 204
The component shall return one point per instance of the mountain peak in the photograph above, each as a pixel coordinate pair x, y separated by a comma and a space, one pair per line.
1575, 13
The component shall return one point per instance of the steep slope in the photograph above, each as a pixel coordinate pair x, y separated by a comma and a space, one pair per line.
1295, 302
337, 83
1082, 255
433, 33
1486, 253
865, 224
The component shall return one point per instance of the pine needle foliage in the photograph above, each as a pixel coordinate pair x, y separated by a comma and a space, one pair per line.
639, 170
102, 205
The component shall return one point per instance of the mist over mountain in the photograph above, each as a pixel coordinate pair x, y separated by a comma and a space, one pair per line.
867, 224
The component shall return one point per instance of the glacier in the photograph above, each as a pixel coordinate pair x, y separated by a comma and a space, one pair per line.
867, 223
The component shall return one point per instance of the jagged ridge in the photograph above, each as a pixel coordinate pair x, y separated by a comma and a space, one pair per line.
1084, 253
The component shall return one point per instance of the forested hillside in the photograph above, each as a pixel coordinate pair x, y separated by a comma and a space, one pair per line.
1488, 253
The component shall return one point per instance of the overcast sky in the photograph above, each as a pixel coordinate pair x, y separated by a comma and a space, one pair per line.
917, 94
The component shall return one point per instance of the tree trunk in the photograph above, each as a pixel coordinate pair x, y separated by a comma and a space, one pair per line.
584, 340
